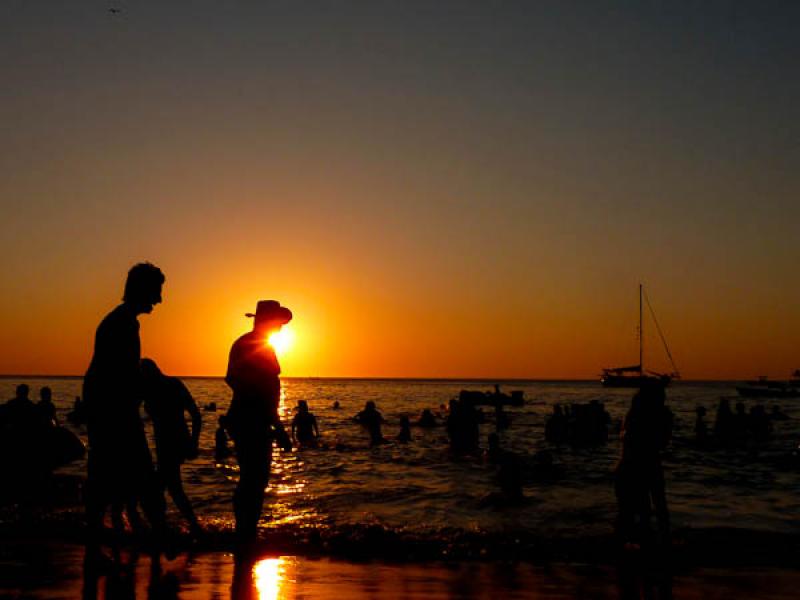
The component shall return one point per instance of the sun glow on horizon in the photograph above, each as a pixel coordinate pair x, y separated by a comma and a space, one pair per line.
281, 341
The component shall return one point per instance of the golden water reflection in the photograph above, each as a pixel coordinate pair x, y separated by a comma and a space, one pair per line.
272, 577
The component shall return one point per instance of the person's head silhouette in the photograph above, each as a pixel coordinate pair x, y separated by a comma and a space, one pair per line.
143, 287
46, 394
270, 316
22, 391
149, 370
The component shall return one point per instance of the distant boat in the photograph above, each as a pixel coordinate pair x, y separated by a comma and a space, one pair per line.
764, 388
636, 375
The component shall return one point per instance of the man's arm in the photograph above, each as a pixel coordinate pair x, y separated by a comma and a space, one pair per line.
280, 432
232, 376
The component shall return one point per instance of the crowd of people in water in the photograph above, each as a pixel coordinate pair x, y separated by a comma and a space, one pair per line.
122, 477
167, 401
639, 483
578, 424
736, 429
30, 432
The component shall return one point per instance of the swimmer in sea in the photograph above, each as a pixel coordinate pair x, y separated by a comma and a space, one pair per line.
405, 430
427, 419
305, 431
371, 420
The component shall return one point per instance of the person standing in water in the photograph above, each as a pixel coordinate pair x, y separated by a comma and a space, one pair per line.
252, 419
371, 419
166, 401
120, 467
639, 476
304, 426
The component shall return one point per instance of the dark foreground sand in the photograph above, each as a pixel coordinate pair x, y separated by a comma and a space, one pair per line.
50, 571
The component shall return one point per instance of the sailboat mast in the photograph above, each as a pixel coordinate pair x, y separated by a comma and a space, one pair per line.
641, 332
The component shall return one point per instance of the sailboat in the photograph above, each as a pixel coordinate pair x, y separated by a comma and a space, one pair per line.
636, 375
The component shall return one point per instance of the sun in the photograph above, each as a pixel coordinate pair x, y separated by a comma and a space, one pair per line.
281, 340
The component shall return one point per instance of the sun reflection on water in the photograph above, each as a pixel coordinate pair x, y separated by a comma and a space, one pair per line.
269, 576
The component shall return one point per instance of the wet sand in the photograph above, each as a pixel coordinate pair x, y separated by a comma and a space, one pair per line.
55, 571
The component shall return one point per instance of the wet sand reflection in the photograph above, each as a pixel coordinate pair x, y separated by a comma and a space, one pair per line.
215, 576
270, 577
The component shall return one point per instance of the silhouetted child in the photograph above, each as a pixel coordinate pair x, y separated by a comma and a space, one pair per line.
371, 420
427, 419
336, 405
46, 407
221, 450
166, 401
405, 430
304, 426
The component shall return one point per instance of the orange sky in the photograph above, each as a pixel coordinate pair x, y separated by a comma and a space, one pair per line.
453, 193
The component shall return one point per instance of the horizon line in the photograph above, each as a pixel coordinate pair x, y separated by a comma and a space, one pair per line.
384, 378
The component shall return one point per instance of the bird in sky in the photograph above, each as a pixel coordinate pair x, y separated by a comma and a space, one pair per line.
114, 11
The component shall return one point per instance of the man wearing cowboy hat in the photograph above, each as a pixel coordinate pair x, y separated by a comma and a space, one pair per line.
253, 421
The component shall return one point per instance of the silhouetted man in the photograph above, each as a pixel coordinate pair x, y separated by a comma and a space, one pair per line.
120, 466
253, 421
646, 431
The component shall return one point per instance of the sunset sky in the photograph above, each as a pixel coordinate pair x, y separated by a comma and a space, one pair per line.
436, 189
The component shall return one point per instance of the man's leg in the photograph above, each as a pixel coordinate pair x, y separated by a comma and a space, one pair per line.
96, 500
659, 495
254, 458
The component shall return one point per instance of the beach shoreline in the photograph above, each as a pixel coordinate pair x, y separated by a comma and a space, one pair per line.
54, 570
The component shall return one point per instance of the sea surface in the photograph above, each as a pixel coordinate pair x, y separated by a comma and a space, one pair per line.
347, 493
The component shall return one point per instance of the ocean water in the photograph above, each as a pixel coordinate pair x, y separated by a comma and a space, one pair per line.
418, 491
